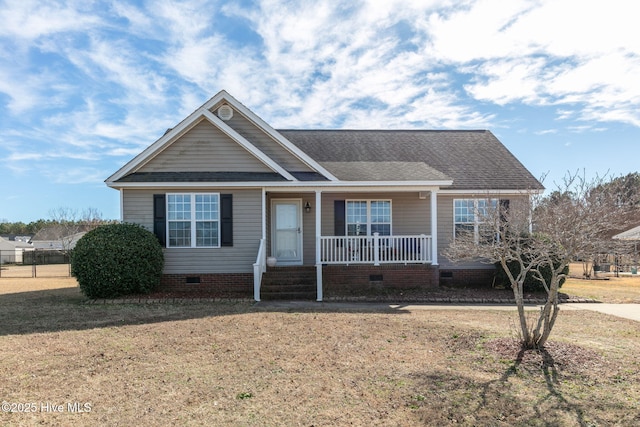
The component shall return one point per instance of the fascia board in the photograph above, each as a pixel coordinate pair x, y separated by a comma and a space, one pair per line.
149, 152
326, 185
186, 124
246, 144
476, 192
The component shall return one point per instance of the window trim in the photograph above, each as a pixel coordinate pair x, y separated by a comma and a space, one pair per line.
476, 209
368, 223
193, 221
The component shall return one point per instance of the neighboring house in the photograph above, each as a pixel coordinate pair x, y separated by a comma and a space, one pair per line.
12, 251
631, 234
56, 238
360, 209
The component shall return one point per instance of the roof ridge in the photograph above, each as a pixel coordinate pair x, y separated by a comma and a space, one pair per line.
386, 130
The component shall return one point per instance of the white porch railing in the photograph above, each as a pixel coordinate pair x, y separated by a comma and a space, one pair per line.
375, 249
259, 268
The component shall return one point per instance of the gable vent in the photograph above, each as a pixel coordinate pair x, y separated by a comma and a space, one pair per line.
225, 112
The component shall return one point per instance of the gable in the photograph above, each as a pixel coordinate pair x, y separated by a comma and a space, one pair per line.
192, 153
204, 148
265, 143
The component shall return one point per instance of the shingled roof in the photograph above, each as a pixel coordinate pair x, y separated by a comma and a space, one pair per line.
473, 159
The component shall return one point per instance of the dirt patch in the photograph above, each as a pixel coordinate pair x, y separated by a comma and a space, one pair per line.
558, 356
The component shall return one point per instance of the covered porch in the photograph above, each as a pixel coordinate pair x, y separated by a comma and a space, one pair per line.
308, 228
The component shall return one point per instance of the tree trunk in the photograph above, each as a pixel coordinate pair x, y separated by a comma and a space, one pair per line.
550, 311
518, 295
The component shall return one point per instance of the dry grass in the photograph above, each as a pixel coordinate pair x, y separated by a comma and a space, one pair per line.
234, 364
605, 288
28, 271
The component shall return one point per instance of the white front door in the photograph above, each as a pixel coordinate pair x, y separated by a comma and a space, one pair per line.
286, 238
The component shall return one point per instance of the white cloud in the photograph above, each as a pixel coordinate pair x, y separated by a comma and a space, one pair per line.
562, 52
31, 19
109, 80
329, 65
509, 80
75, 175
546, 132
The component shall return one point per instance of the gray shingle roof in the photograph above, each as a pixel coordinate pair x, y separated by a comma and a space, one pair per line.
473, 159
384, 171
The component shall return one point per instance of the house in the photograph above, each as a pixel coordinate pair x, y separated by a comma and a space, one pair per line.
354, 209
12, 251
58, 237
631, 234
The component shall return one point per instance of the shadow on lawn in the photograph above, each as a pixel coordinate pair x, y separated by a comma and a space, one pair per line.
65, 309
517, 397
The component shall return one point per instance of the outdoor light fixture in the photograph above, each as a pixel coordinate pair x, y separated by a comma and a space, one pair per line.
307, 207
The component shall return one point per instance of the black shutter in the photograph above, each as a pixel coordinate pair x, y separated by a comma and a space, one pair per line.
339, 215
226, 220
159, 218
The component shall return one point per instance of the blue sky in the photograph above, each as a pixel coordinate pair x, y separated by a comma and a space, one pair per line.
86, 85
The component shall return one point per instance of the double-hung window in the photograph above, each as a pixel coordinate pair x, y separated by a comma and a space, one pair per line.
469, 216
365, 217
193, 220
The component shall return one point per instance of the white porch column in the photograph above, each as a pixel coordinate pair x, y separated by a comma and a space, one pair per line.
264, 213
434, 227
258, 268
318, 234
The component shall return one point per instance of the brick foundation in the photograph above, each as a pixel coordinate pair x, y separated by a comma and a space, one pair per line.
338, 280
467, 278
367, 279
230, 285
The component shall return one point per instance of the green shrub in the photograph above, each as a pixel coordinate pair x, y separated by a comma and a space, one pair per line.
117, 259
531, 284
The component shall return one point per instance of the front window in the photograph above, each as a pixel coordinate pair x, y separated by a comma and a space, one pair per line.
469, 216
193, 220
365, 217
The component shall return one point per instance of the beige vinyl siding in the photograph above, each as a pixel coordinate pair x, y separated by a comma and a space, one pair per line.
247, 232
138, 207
266, 144
409, 213
205, 148
446, 228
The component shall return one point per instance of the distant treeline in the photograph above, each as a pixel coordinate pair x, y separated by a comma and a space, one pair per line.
20, 228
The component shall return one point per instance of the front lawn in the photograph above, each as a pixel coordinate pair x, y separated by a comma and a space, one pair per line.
234, 364
604, 287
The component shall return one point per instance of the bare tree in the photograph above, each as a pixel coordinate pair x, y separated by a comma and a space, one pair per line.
545, 233
68, 223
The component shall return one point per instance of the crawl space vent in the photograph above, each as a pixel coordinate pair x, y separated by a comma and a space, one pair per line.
225, 112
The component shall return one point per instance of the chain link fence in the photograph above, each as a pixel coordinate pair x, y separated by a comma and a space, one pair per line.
27, 262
